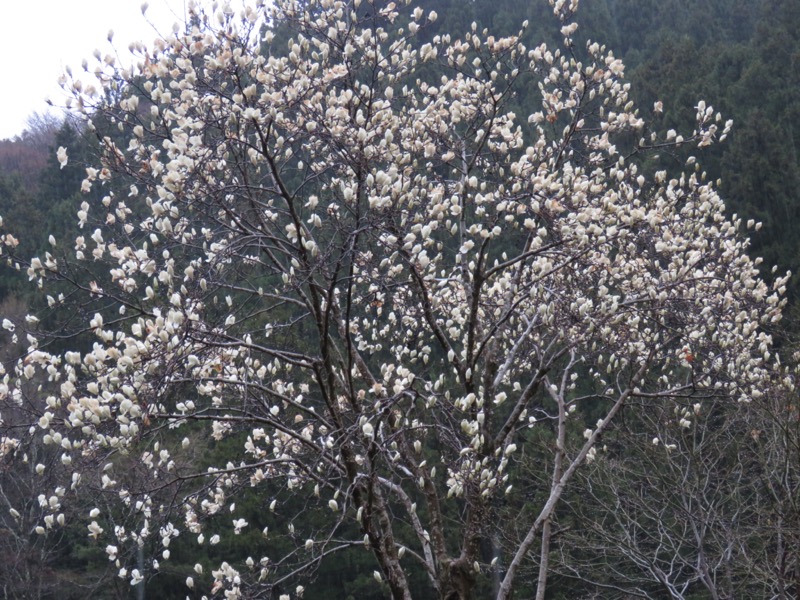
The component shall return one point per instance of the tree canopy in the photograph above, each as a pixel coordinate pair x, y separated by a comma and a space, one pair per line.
340, 273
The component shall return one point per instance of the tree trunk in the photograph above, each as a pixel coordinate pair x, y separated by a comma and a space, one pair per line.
541, 584
458, 580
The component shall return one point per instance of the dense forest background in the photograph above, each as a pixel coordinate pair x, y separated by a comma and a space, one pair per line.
741, 56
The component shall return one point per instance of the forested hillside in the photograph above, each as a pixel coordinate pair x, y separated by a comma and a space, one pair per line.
255, 330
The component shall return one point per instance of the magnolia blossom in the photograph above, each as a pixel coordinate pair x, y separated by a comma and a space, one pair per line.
374, 283
61, 155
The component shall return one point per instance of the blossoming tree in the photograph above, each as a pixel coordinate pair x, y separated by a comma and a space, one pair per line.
343, 251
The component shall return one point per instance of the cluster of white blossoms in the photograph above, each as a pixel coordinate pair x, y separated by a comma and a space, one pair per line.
306, 242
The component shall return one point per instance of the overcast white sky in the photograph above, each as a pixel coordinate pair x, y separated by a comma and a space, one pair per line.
38, 38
